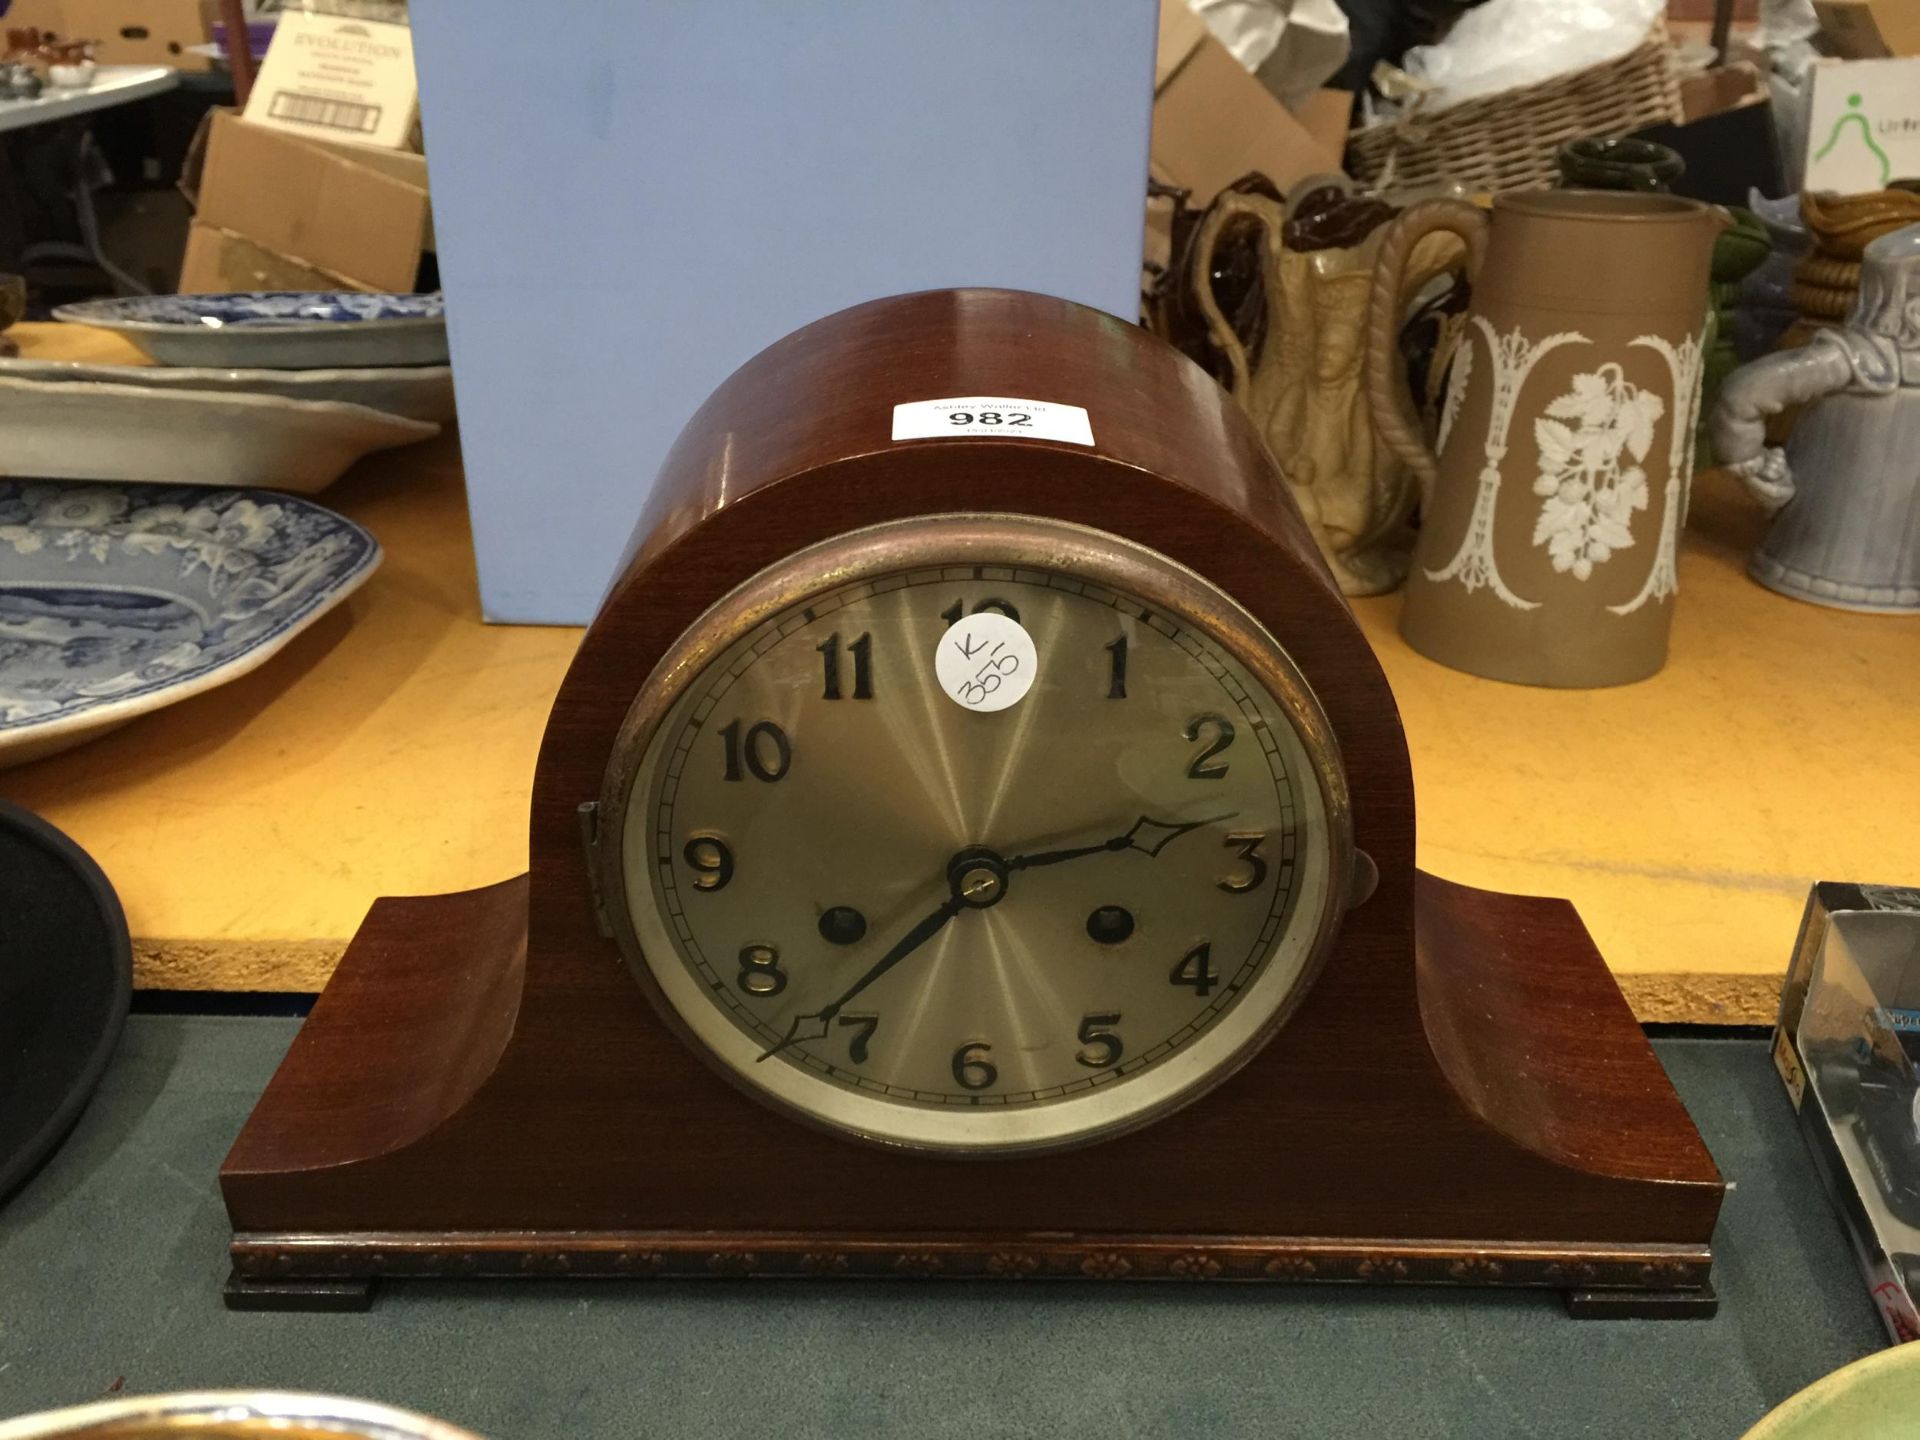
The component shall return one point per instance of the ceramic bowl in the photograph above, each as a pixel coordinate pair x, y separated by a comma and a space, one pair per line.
1872, 1399
118, 600
78, 431
232, 1415
418, 392
276, 329
1602, 163
1844, 225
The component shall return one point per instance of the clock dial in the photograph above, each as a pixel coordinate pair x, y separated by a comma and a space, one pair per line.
876, 900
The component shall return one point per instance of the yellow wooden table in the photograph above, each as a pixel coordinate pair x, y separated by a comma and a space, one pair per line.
389, 750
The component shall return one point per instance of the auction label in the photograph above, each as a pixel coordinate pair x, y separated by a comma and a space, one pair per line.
992, 415
986, 661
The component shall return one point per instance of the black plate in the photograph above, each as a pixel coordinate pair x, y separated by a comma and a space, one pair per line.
66, 977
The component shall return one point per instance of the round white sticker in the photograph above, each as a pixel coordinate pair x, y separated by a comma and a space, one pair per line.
986, 661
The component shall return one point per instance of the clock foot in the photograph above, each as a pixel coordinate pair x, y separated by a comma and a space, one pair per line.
1701, 1304
333, 1296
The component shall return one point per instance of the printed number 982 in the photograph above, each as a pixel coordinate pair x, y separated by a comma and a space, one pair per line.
989, 417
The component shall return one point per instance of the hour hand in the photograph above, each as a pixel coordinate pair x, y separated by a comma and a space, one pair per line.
1147, 835
804, 1027
903, 947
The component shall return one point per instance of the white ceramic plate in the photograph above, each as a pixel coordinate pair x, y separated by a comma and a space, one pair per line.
240, 1414
277, 329
118, 600
419, 392
73, 431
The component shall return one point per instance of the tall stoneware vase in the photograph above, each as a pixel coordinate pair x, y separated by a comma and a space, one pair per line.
1551, 515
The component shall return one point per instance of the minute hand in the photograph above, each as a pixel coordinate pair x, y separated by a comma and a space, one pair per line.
1147, 835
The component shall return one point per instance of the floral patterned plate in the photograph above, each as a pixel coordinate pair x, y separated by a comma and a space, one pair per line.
276, 329
116, 600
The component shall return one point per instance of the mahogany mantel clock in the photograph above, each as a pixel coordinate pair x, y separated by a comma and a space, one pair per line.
973, 839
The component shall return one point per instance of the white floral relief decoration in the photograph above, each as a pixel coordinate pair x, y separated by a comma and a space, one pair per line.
1457, 380
1684, 363
1512, 359
1593, 441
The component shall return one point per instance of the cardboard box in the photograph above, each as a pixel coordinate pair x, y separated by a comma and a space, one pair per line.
337, 78
1213, 121
1728, 138
49, 17
141, 32
1705, 93
340, 215
1327, 116
1863, 124
218, 261
1870, 29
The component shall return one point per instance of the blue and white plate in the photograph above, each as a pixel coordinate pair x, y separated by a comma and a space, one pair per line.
116, 600
276, 329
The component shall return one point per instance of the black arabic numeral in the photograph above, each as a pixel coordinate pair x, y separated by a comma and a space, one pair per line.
1018, 417
960, 417
1102, 1045
865, 1026
862, 651
954, 611
830, 649
760, 972
761, 736
712, 861
1199, 769
1248, 843
973, 1072
1195, 970
1117, 681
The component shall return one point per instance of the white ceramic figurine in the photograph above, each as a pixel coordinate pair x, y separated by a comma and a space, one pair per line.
1846, 488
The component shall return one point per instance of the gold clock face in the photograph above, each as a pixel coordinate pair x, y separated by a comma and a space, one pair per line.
878, 901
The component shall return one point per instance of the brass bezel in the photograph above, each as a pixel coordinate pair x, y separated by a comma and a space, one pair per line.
997, 539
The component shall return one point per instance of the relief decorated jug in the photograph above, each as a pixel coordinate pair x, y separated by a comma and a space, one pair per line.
1304, 384
1551, 514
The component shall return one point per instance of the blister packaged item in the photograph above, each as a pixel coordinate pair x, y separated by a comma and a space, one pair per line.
1848, 1048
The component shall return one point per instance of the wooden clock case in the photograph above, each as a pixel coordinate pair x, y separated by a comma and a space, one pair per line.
483, 1090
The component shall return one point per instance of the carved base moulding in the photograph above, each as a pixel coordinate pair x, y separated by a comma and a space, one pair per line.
642, 1255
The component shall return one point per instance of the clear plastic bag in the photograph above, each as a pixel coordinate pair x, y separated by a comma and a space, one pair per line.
1504, 44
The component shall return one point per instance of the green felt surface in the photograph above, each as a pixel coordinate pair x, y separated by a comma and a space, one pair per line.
111, 1261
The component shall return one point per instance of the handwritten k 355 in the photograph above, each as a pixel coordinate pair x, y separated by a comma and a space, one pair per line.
986, 661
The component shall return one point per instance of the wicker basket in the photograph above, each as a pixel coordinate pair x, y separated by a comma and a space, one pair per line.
1508, 141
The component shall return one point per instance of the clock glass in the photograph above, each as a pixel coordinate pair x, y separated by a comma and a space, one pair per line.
977, 833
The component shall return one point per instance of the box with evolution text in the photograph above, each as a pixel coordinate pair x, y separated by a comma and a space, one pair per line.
333, 77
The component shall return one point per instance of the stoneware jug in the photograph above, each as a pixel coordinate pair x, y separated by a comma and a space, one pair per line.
1305, 387
1552, 512
1846, 488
